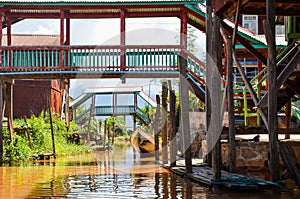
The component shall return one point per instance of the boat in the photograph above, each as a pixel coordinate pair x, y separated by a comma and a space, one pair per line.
142, 141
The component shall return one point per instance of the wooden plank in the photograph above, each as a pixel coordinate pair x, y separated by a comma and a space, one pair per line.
236, 23
269, 27
164, 130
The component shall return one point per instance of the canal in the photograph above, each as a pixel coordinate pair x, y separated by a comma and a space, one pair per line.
119, 173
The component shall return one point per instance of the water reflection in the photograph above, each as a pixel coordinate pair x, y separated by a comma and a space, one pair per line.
116, 174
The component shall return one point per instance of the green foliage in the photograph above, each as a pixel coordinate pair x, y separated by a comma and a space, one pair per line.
39, 130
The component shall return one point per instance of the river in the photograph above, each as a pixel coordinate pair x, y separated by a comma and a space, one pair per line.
119, 173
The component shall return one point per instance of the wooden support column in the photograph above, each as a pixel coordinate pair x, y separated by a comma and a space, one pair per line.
231, 118
104, 134
135, 108
89, 126
156, 129
8, 106
67, 108
1, 118
122, 39
184, 98
208, 73
173, 139
272, 93
215, 94
164, 130
68, 31
62, 38
8, 22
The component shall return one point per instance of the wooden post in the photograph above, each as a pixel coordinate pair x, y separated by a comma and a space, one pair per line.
88, 136
122, 39
113, 134
9, 108
67, 42
288, 109
208, 73
52, 129
104, 136
184, 98
1, 36
108, 136
156, 129
28, 133
1, 119
173, 139
231, 118
67, 108
272, 93
215, 91
62, 38
164, 130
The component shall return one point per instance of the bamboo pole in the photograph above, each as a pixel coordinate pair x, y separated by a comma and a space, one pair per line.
173, 139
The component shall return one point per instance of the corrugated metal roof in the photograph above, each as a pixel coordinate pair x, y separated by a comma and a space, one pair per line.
32, 40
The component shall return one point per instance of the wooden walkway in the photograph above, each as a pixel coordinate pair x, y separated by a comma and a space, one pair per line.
204, 175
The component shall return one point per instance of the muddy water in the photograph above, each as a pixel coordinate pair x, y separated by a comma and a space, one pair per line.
116, 174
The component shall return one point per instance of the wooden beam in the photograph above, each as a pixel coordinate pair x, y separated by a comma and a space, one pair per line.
282, 77
164, 130
269, 26
156, 129
236, 23
184, 98
9, 108
62, 38
104, 134
245, 43
288, 110
52, 129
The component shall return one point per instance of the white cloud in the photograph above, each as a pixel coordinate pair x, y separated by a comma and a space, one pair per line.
42, 30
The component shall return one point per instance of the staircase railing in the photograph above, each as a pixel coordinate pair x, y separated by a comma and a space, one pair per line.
258, 86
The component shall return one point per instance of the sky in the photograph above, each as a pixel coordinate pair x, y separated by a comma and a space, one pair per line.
146, 31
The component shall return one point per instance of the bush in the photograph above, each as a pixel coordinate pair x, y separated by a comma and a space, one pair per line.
39, 129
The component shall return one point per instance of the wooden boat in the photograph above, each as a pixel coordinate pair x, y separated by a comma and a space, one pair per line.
142, 141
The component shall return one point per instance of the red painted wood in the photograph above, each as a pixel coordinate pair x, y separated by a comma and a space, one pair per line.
62, 38
183, 29
122, 37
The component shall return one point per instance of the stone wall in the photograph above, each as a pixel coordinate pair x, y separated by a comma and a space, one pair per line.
252, 155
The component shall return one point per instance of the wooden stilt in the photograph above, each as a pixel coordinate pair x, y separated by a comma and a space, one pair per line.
173, 139
9, 108
272, 92
113, 134
208, 72
108, 136
156, 129
288, 109
88, 136
184, 99
215, 91
104, 134
164, 130
52, 130
231, 137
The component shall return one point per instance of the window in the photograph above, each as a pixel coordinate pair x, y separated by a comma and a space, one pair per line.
250, 22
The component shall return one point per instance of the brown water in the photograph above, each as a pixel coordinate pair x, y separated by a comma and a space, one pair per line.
116, 174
